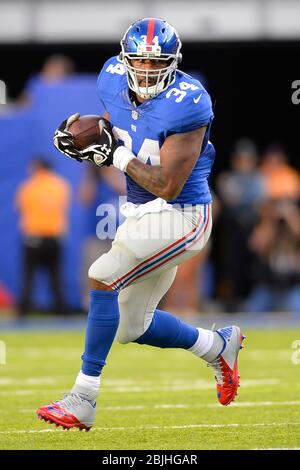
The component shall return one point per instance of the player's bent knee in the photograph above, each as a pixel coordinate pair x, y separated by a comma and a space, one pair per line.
125, 336
122, 337
127, 333
104, 269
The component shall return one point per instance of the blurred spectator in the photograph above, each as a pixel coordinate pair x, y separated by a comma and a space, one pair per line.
99, 186
241, 190
56, 68
43, 203
281, 180
276, 242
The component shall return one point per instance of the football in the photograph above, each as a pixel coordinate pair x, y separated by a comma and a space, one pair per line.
85, 131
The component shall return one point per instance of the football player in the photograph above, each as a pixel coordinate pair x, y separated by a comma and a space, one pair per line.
155, 129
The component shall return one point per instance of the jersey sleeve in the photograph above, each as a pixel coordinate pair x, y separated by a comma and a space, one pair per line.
195, 110
108, 84
100, 85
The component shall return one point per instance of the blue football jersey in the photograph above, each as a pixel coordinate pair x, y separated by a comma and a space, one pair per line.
182, 107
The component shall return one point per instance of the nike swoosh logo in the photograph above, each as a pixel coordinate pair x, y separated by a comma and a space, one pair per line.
196, 100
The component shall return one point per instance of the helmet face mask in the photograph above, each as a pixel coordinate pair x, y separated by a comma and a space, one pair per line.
155, 80
150, 39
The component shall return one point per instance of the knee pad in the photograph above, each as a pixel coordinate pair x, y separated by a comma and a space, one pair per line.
126, 334
134, 318
123, 336
105, 268
128, 329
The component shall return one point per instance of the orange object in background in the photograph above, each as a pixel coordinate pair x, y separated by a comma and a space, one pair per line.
43, 201
281, 180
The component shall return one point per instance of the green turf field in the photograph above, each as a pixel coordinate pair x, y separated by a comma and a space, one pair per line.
152, 398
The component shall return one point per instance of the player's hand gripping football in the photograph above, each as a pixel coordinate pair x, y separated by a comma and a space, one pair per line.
63, 139
102, 152
99, 153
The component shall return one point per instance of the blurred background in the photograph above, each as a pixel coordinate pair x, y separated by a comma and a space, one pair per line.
246, 53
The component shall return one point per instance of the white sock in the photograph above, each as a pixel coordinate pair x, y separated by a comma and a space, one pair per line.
88, 381
203, 343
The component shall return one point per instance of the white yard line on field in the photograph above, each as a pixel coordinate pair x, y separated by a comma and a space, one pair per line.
38, 353
171, 387
236, 404
30, 381
259, 403
30, 391
180, 385
150, 427
258, 354
167, 406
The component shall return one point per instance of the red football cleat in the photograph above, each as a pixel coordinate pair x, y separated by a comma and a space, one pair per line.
225, 365
70, 412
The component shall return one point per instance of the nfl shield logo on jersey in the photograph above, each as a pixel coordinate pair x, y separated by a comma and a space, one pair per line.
134, 115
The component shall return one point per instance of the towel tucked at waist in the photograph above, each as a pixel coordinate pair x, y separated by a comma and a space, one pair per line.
134, 210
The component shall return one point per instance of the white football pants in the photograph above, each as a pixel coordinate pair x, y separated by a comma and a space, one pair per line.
143, 259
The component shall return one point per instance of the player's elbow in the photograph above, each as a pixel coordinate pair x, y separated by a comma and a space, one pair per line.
170, 193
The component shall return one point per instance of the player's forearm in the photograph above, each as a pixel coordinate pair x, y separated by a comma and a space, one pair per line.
151, 178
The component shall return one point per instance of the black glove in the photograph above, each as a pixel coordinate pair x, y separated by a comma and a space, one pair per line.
102, 152
63, 139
